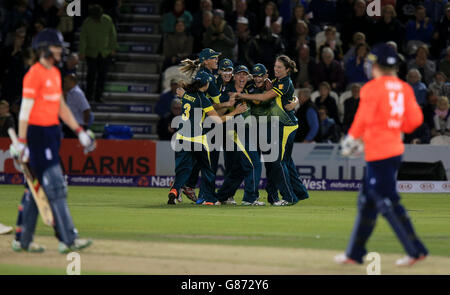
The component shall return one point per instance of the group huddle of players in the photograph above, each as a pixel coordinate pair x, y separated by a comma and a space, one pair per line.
236, 91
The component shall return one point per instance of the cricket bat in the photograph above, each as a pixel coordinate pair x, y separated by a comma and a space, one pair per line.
37, 191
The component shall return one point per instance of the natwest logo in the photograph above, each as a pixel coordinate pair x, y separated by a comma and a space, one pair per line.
446, 186
427, 186
405, 186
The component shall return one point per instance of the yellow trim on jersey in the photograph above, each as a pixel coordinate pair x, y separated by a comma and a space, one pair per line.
241, 146
279, 102
208, 109
216, 99
197, 139
287, 130
278, 91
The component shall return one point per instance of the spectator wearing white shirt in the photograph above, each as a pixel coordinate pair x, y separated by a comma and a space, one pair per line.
77, 103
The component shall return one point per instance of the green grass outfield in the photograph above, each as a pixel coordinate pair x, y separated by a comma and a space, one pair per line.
322, 222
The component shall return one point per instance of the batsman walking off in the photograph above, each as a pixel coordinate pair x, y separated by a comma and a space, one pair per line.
387, 108
39, 143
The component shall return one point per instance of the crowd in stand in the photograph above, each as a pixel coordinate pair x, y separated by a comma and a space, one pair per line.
22, 20
329, 40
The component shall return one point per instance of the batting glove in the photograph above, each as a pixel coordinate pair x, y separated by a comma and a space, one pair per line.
87, 140
351, 147
20, 152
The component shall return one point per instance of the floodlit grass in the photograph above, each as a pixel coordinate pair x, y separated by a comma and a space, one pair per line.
322, 222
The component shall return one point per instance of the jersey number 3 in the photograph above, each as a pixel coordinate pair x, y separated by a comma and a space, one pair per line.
187, 110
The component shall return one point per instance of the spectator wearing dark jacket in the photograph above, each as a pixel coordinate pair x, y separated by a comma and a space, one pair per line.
420, 29
308, 118
242, 11
350, 107
305, 64
323, 11
16, 61
406, 10
20, 13
243, 39
441, 37
435, 9
421, 135
301, 36
165, 131
329, 102
444, 64
48, 11
264, 48
328, 127
220, 36
354, 68
163, 105
6, 120
177, 45
329, 70
429, 107
426, 67
359, 22
388, 27
198, 31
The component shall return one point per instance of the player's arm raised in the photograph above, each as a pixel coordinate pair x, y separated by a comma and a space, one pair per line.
270, 94
240, 108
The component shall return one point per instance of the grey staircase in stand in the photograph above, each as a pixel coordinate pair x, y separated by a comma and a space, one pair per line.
133, 83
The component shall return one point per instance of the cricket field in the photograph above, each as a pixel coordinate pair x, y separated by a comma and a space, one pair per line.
136, 232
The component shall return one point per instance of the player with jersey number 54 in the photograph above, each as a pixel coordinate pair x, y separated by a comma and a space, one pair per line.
39, 142
387, 108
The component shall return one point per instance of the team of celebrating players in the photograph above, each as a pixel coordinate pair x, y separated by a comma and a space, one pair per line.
237, 91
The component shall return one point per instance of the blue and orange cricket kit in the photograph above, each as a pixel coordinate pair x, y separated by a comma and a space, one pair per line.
43, 85
387, 108
379, 195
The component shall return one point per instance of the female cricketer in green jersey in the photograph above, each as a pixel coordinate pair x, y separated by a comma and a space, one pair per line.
196, 107
291, 188
207, 63
241, 163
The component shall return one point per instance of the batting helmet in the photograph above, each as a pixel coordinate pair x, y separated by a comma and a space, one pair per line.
47, 38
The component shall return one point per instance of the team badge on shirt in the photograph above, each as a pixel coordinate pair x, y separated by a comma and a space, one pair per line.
280, 86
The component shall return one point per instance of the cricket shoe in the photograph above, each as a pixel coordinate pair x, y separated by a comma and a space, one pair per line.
173, 195
32, 248
211, 203
190, 193
344, 259
230, 201
282, 203
255, 203
5, 229
78, 245
409, 261
200, 201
